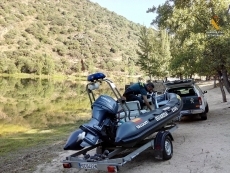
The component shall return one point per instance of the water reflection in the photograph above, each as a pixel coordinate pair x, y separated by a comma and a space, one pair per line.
35, 103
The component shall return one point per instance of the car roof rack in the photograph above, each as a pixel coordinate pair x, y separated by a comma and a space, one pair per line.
184, 81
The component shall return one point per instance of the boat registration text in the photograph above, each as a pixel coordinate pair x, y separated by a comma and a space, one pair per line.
87, 166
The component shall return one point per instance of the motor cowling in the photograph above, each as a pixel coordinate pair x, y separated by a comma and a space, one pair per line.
105, 107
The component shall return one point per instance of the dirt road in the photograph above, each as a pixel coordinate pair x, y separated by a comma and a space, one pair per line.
199, 146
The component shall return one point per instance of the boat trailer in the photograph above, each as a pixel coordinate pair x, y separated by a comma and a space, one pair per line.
111, 158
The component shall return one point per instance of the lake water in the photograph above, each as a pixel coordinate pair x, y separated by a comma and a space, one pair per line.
36, 103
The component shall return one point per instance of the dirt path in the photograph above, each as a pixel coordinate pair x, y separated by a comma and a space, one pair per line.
199, 146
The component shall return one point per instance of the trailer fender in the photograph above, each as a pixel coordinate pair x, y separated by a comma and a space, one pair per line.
159, 145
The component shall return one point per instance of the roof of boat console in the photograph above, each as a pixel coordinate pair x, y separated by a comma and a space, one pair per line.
98, 78
95, 76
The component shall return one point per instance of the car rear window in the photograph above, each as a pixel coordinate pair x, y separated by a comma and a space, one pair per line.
183, 91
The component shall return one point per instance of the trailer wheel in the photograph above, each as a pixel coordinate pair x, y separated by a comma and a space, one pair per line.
168, 148
102, 148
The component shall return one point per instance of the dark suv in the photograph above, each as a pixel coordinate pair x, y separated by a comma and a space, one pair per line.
194, 101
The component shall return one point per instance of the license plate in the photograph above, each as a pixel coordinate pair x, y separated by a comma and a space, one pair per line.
185, 112
88, 166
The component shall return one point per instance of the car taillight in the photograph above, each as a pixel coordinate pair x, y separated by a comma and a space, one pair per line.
67, 165
112, 169
200, 101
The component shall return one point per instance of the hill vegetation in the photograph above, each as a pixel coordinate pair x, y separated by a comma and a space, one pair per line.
65, 37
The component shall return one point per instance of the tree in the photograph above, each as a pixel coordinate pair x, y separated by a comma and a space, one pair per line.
165, 53
186, 56
187, 18
154, 54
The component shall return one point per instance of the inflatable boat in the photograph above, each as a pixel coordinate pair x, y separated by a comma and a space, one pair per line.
119, 123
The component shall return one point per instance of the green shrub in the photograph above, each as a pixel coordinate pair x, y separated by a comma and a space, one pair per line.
10, 34
60, 39
41, 17
60, 50
75, 53
24, 11
3, 23
38, 47
24, 34
43, 39
59, 22
9, 41
31, 30
2, 13
70, 30
12, 18
29, 43
54, 30
63, 31
22, 44
21, 17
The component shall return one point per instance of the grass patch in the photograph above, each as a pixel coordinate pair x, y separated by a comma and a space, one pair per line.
7, 129
35, 137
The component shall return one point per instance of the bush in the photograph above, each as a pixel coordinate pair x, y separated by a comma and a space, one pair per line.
75, 53
10, 35
60, 39
43, 39
3, 23
22, 44
59, 22
54, 30
31, 30
60, 50
63, 31
112, 50
21, 17
29, 43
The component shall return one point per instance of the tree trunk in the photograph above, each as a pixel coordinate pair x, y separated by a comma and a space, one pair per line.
181, 76
166, 79
222, 90
225, 80
214, 86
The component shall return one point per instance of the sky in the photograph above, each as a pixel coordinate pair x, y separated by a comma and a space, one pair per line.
133, 10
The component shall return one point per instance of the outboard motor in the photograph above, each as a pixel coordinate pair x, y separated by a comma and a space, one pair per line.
105, 107
104, 111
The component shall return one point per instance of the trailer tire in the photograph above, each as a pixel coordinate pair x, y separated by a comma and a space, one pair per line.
102, 148
168, 148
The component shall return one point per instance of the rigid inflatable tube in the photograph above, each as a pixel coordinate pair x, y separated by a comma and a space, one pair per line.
132, 132
74, 141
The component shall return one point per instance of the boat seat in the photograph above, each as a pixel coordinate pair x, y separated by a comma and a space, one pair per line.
162, 103
134, 109
161, 100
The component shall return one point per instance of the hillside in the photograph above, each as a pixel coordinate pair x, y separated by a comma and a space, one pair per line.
68, 37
